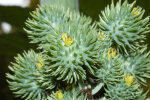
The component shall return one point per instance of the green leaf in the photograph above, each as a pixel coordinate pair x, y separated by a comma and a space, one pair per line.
11, 44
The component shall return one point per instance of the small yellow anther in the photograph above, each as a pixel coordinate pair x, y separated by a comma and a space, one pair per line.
39, 64
111, 53
58, 95
135, 11
130, 79
108, 54
67, 40
101, 36
70, 86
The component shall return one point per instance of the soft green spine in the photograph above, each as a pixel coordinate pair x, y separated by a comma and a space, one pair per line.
121, 91
111, 71
67, 63
138, 64
87, 54
45, 20
71, 94
128, 31
25, 80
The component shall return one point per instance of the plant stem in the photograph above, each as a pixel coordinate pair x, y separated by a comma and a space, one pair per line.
71, 4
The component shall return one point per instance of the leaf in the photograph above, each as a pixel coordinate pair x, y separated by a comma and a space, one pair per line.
97, 88
11, 44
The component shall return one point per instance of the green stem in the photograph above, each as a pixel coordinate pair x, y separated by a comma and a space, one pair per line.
71, 4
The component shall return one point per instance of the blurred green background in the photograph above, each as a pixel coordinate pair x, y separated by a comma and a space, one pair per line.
16, 40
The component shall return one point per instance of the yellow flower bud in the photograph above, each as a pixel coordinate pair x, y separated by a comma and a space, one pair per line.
39, 64
101, 36
135, 11
111, 53
58, 95
67, 40
130, 79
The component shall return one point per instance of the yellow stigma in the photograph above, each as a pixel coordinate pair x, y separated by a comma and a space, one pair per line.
58, 95
111, 53
135, 11
130, 79
101, 36
39, 64
67, 40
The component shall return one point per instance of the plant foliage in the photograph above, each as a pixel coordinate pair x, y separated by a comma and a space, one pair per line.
81, 60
